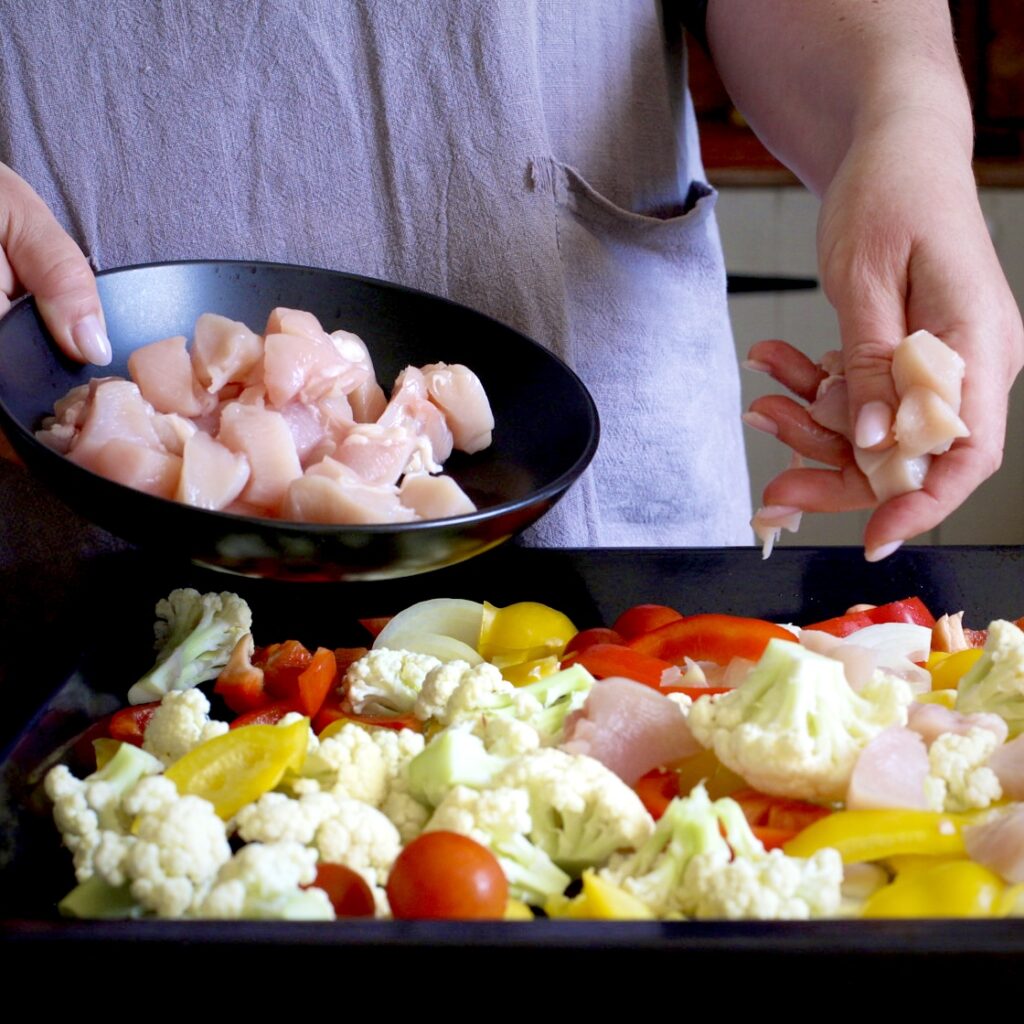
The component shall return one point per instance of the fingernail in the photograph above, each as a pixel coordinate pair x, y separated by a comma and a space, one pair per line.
874, 422
91, 340
883, 551
761, 422
756, 365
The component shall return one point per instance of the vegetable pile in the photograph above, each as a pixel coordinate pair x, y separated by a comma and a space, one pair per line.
483, 762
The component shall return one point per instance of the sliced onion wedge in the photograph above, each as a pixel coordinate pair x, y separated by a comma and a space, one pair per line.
442, 624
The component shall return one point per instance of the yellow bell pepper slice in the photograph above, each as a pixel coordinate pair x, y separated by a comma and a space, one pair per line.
949, 671
105, 750
958, 888
526, 672
879, 835
599, 900
947, 698
239, 767
517, 910
522, 632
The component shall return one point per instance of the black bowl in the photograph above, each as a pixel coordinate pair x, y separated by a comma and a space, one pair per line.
546, 426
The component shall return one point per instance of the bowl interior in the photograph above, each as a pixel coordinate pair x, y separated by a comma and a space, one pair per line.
545, 421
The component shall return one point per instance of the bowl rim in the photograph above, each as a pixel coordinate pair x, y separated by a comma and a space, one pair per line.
551, 490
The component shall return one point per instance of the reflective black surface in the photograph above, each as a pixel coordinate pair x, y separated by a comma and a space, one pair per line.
545, 435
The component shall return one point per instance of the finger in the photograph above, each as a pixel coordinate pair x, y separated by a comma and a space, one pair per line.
790, 423
788, 365
48, 263
821, 490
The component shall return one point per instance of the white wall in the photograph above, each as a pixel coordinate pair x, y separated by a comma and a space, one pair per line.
772, 231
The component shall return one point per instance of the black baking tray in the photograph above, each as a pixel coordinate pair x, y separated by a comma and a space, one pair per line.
69, 651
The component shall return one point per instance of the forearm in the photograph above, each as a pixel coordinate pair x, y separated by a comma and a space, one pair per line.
815, 76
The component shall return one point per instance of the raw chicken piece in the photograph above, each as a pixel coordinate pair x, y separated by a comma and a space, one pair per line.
262, 435
368, 400
435, 497
410, 408
297, 322
948, 634
999, 844
924, 360
173, 431
223, 352
297, 365
163, 371
212, 476
307, 427
378, 454
331, 492
58, 436
925, 424
890, 773
831, 406
134, 465
71, 409
932, 720
118, 412
458, 393
892, 473
1007, 762
630, 728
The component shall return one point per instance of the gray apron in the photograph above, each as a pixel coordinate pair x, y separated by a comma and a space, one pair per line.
535, 160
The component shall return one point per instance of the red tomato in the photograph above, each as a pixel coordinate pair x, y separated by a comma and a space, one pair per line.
643, 618
604, 660
588, 637
657, 789
910, 609
348, 891
447, 875
717, 638
129, 724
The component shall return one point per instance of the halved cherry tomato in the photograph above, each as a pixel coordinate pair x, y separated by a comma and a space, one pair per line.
657, 789
447, 875
604, 660
269, 714
644, 618
347, 890
129, 724
910, 609
588, 637
717, 638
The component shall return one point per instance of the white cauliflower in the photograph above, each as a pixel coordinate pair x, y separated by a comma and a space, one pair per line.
180, 845
795, 727
500, 820
958, 776
361, 838
457, 690
689, 868
348, 763
405, 812
85, 810
387, 682
265, 881
507, 737
582, 812
995, 683
275, 817
296, 716
180, 723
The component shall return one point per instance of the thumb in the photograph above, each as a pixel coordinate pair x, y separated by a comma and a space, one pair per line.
871, 324
48, 263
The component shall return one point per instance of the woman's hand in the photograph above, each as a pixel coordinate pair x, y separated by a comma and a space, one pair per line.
37, 255
902, 246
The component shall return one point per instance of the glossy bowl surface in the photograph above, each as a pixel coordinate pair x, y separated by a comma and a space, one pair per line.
546, 425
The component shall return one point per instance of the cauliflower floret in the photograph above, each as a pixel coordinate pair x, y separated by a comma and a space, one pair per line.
405, 812
959, 778
195, 635
703, 860
773, 888
265, 881
500, 820
996, 682
507, 737
387, 682
457, 690
348, 763
361, 838
582, 812
85, 810
180, 845
180, 723
275, 817
795, 727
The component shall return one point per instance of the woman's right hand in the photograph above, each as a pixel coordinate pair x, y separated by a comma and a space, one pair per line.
38, 256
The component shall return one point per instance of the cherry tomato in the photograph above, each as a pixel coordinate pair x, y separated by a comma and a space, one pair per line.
447, 875
642, 618
347, 890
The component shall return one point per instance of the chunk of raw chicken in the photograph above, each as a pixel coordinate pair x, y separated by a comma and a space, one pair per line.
212, 476
435, 497
330, 492
163, 372
263, 437
890, 773
999, 844
116, 412
134, 465
225, 352
926, 424
457, 392
923, 360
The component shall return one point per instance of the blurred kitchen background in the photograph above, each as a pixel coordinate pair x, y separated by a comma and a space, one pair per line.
768, 221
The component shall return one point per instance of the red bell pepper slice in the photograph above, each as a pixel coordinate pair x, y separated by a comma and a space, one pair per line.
644, 618
910, 609
604, 660
717, 638
777, 819
332, 710
657, 789
316, 681
587, 638
282, 665
129, 724
375, 626
269, 714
